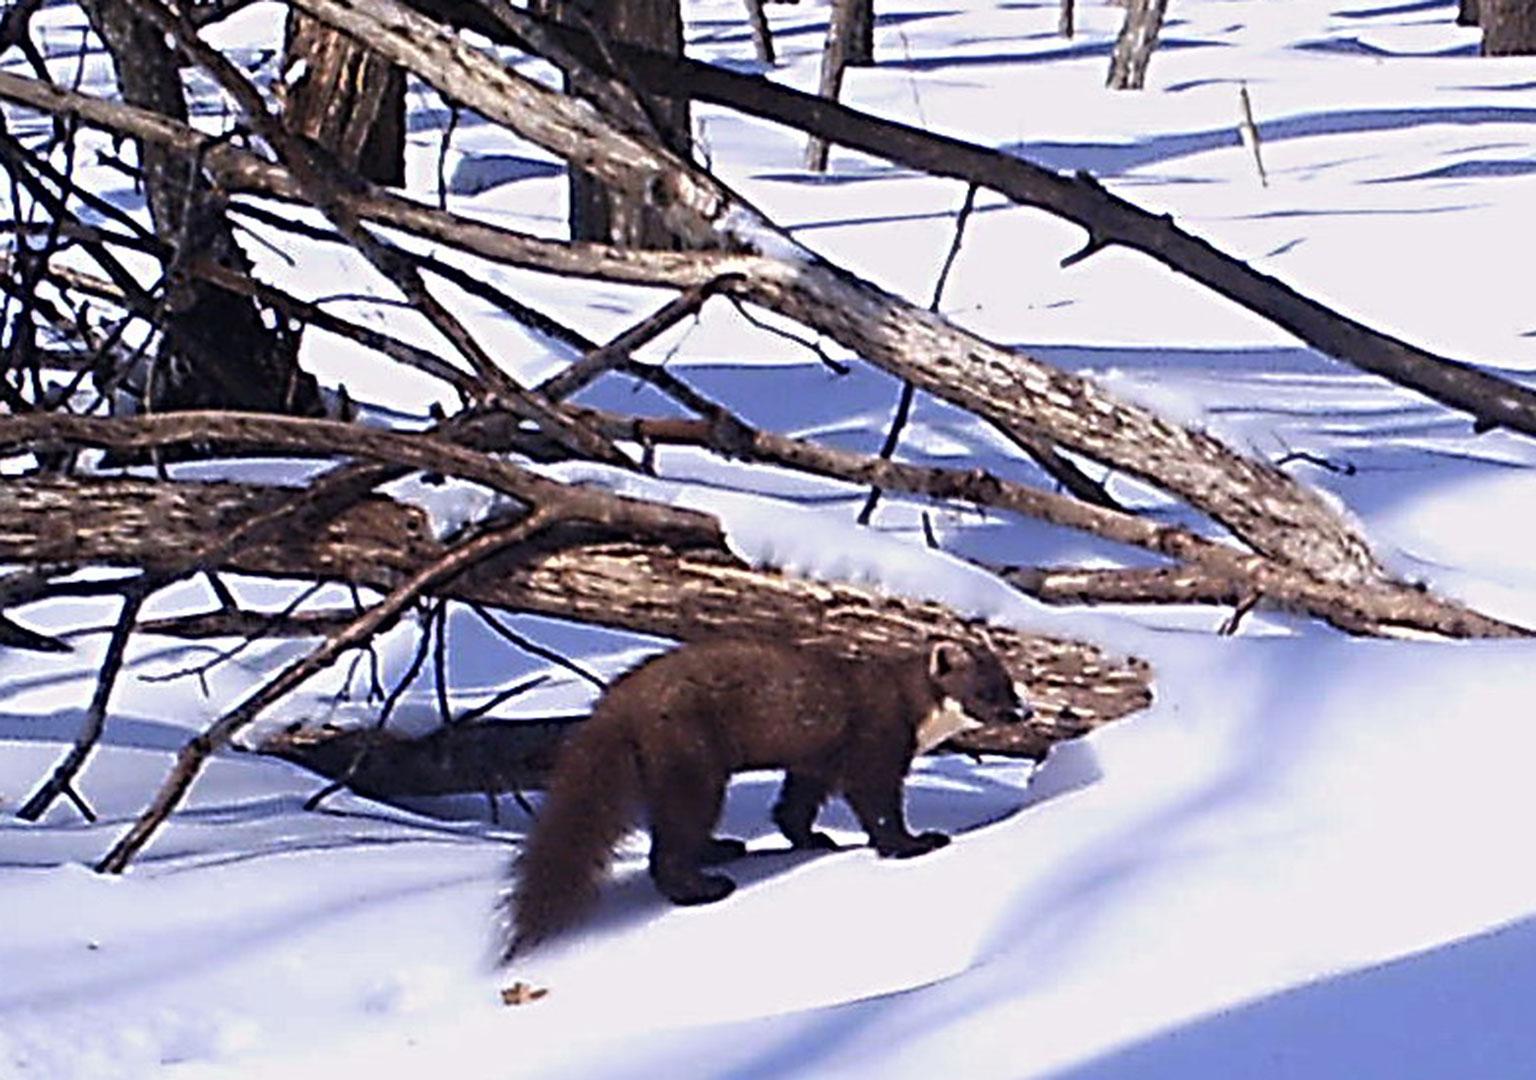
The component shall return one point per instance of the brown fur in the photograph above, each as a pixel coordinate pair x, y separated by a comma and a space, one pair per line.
666, 737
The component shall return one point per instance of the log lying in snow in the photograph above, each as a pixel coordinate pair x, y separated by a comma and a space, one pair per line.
653, 588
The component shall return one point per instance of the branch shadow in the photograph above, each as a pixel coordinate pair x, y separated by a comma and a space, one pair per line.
1113, 159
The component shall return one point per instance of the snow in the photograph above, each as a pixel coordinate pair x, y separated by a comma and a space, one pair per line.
1304, 860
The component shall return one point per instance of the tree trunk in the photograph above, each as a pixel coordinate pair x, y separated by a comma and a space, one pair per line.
1466, 13
217, 353
762, 37
861, 37
1133, 48
835, 57
347, 99
597, 213
1509, 27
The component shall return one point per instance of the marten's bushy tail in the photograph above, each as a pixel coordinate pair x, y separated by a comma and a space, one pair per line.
589, 806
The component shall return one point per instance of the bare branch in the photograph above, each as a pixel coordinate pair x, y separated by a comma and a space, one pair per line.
74, 760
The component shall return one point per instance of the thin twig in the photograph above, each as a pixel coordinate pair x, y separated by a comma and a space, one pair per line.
440, 662
74, 760
908, 390
376, 732
533, 647
606, 357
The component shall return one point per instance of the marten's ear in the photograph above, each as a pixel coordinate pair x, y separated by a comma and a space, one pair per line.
944, 657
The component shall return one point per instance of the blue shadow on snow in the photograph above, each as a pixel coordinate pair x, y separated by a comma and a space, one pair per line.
1458, 1010
1109, 159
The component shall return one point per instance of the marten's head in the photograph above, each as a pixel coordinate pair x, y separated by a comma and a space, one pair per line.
974, 679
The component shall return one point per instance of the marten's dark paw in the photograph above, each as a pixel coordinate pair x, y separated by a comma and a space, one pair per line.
815, 841
722, 849
702, 889
912, 846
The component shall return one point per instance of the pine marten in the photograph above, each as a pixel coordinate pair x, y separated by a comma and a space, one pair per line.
665, 738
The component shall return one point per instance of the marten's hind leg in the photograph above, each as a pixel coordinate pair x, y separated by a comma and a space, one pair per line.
684, 801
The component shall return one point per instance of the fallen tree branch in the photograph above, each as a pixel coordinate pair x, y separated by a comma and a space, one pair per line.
1023, 396
1213, 572
334, 437
1492, 401
650, 588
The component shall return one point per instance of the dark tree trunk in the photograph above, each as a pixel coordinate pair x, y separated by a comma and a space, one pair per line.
596, 212
1133, 48
347, 99
861, 35
1509, 27
1466, 13
217, 352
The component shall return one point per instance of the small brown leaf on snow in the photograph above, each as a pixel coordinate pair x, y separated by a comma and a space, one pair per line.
520, 993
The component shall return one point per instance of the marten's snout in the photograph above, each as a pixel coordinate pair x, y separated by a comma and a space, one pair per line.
1019, 710
1000, 704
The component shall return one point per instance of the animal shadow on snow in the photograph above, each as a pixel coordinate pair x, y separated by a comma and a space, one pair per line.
952, 794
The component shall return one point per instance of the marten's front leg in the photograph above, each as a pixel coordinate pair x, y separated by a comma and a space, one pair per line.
795, 812
876, 798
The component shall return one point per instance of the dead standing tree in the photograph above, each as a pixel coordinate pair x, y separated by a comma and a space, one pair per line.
346, 99
1133, 48
849, 22
598, 212
217, 351
1509, 27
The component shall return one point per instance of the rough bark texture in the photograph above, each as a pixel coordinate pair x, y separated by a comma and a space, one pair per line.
599, 212
1467, 13
1133, 48
346, 99
219, 355
1509, 27
649, 588
861, 35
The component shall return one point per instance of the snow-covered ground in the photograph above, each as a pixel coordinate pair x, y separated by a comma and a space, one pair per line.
1303, 861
